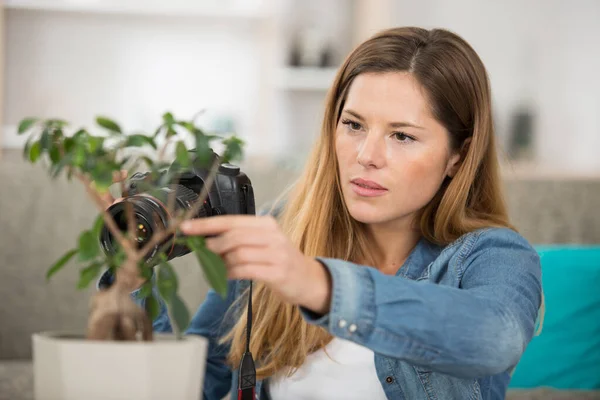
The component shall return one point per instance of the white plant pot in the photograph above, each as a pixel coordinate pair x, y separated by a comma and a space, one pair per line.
68, 367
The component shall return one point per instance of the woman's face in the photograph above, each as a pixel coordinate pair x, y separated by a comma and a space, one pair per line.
393, 155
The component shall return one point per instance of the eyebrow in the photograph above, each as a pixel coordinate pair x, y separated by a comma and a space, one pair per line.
392, 124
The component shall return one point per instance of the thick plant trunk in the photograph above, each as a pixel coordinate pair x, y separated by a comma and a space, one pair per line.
114, 315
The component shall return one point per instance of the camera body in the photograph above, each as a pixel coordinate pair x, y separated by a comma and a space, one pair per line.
230, 193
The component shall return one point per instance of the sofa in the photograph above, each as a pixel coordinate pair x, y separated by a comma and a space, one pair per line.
40, 219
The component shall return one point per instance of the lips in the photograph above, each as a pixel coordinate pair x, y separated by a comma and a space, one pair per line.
367, 184
366, 188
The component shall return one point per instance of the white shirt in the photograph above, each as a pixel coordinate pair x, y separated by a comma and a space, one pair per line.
349, 374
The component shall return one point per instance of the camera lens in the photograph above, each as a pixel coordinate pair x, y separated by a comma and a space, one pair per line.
151, 215
141, 233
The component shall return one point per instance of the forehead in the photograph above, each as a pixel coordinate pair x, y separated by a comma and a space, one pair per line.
390, 96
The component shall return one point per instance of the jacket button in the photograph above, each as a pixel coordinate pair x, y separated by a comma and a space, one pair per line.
389, 379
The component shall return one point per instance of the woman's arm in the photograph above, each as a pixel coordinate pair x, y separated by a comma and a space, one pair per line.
479, 329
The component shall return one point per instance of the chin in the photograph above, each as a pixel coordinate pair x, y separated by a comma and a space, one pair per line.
368, 214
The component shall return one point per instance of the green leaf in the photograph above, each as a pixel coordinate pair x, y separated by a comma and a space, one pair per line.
212, 265
148, 161
60, 263
54, 154
69, 144
25, 124
35, 151
27, 147
152, 307
146, 270
88, 274
115, 261
80, 135
168, 119
151, 142
180, 313
182, 155
145, 290
55, 170
56, 123
108, 124
187, 125
158, 130
80, 156
204, 153
167, 281
233, 149
139, 141
89, 247
45, 140
171, 132
95, 143
98, 224
103, 176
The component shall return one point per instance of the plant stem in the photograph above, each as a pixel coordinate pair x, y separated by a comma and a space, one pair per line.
129, 215
171, 229
110, 223
161, 154
172, 196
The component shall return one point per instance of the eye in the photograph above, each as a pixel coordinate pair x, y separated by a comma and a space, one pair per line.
402, 137
352, 125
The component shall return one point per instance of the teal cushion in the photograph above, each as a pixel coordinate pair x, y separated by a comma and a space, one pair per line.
566, 355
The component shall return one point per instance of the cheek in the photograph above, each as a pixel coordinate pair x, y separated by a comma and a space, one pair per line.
421, 176
345, 149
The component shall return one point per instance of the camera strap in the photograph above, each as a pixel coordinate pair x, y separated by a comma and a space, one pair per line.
247, 371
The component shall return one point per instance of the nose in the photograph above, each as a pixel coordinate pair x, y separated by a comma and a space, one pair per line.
371, 152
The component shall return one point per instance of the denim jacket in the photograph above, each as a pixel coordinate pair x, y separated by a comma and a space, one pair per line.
451, 324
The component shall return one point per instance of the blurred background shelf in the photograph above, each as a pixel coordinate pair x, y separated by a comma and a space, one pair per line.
238, 10
306, 78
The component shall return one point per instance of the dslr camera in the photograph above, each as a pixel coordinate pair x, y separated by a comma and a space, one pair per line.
230, 193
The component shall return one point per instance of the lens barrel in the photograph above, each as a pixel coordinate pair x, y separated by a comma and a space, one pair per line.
151, 216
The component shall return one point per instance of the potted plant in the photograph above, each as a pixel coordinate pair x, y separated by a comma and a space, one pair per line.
133, 238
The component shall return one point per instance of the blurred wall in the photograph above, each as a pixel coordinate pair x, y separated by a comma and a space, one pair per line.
540, 54
132, 68
543, 53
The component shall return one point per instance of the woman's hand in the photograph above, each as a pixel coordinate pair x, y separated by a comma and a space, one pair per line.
255, 248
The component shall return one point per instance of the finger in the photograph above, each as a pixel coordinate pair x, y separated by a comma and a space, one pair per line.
255, 272
247, 255
119, 176
223, 223
235, 238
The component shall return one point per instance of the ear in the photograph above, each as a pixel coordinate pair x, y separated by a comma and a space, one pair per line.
456, 159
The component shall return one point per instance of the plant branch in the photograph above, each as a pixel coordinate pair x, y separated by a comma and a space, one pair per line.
110, 222
129, 215
163, 149
162, 235
173, 195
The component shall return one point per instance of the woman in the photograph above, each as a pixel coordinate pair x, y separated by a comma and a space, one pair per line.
393, 271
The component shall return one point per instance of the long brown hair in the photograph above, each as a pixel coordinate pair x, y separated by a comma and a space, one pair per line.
315, 217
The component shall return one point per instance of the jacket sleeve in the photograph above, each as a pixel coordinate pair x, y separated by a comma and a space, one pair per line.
208, 321
480, 328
